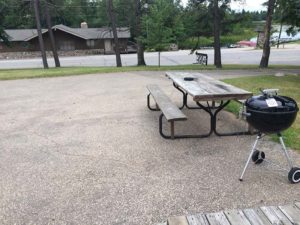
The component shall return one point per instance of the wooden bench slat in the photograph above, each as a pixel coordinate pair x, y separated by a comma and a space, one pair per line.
169, 109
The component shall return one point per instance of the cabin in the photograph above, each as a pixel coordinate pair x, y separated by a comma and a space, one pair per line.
67, 39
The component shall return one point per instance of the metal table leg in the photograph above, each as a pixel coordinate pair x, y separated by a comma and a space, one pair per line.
173, 136
184, 98
148, 104
222, 106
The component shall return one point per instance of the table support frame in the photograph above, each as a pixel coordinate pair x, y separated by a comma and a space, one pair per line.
211, 109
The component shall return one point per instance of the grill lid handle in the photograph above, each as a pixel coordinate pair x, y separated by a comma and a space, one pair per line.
269, 92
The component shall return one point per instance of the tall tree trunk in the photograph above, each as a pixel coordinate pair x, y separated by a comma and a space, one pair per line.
158, 58
52, 40
140, 45
39, 31
264, 62
112, 17
280, 30
217, 46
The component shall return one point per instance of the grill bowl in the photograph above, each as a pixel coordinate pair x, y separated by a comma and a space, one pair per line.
271, 122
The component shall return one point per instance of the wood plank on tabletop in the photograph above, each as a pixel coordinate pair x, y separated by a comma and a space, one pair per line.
207, 88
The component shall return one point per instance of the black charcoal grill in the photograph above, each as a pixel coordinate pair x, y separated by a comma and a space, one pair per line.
271, 113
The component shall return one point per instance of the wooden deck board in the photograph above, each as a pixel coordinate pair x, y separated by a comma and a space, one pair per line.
275, 215
272, 215
217, 219
177, 220
292, 212
256, 216
236, 217
198, 219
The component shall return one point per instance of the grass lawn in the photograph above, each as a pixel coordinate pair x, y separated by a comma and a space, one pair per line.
12, 74
287, 85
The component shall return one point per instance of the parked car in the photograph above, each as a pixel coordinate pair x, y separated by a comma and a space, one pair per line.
233, 46
131, 47
247, 43
173, 47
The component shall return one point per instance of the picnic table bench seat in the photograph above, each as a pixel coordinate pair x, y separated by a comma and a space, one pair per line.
169, 110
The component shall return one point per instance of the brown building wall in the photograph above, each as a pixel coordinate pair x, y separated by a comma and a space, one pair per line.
64, 42
17, 46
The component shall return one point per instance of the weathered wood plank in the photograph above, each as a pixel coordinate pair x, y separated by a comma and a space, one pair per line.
217, 219
275, 215
204, 88
169, 109
198, 219
291, 212
256, 216
236, 217
177, 220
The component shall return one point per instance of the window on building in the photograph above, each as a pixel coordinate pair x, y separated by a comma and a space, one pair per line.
66, 45
25, 45
90, 43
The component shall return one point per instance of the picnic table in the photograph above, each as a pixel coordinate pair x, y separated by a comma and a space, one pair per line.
205, 92
209, 94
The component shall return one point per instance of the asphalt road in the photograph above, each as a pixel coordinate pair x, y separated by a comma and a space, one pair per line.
290, 55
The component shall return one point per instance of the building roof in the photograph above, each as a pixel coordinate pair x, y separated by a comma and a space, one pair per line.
22, 34
94, 33
84, 33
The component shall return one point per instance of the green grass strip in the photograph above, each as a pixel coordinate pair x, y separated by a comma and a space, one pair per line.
12, 74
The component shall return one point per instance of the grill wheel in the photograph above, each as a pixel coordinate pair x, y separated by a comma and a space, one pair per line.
294, 175
258, 156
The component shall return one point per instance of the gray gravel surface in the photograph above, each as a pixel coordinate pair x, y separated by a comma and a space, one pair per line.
86, 150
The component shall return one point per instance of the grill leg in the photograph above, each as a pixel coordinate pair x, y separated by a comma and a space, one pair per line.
286, 153
250, 156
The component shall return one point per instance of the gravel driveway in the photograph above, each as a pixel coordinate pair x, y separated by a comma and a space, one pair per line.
86, 150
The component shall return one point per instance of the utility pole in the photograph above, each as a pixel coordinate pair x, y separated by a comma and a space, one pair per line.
39, 31
50, 32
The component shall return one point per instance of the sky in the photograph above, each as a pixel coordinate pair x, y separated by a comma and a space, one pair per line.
249, 5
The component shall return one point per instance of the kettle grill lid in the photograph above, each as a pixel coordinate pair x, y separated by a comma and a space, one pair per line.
271, 103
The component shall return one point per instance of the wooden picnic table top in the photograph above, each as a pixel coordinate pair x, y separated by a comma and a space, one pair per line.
205, 88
